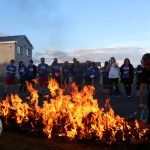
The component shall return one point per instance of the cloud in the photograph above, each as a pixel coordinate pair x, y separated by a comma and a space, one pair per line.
49, 56
103, 54
54, 53
61, 55
37, 54
143, 51
3, 34
97, 54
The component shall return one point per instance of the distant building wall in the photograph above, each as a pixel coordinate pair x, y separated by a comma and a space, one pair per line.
2, 70
23, 56
7, 52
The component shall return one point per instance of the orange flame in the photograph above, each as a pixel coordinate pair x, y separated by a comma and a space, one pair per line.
76, 115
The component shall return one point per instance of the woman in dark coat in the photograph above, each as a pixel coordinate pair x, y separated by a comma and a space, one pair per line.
127, 75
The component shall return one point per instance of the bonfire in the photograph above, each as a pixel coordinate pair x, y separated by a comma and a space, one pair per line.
75, 115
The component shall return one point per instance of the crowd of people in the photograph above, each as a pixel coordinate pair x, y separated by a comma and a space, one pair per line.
111, 75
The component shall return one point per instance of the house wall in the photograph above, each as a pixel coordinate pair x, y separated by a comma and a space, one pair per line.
7, 52
23, 57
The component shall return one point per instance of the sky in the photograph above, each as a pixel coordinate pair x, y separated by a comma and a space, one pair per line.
86, 29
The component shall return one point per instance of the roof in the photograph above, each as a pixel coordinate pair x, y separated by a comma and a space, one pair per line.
15, 38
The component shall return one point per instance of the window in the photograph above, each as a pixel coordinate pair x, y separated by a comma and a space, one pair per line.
28, 52
19, 49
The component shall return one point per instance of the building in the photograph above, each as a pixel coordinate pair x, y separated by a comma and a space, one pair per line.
17, 47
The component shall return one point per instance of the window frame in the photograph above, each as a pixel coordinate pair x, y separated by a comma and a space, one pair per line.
27, 52
19, 49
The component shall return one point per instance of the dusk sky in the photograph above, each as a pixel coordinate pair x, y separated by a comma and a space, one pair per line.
86, 29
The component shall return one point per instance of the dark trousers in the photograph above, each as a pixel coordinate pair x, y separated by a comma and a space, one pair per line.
148, 105
88, 80
65, 81
23, 85
127, 85
78, 81
138, 86
128, 90
105, 83
113, 82
58, 79
96, 81
30, 80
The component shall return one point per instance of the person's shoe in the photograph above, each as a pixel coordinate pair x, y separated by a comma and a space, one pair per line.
117, 96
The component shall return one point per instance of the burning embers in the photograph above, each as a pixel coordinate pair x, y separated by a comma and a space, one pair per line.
76, 116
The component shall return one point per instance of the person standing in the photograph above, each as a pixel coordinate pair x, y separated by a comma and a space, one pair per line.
65, 72
113, 76
55, 68
32, 71
127, 75
72, 69
78, 75
145, 81
139, 69
96, 75
10, 76
105, 79
88, 73
43, 75
23, 73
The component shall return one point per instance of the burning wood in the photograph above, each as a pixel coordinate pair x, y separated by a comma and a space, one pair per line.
76, 116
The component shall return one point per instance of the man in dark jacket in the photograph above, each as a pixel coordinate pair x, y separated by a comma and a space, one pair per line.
72, 67
32, 71
145, 82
